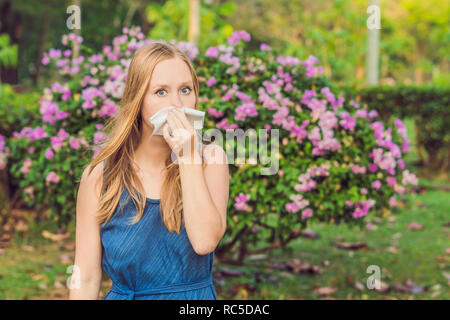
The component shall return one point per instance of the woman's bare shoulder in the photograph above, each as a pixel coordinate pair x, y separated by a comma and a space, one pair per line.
92, 179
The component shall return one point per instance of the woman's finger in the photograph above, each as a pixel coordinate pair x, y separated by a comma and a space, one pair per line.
183, 119
176, 120
166, 134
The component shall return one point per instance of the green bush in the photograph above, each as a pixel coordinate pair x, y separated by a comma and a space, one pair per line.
337, 162
427, 104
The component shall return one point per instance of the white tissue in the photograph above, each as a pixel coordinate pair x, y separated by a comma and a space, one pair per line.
195, 117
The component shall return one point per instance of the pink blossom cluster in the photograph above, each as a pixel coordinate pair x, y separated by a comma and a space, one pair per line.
237, 36
57, 87
230, 93
50, 112
223, 124
332, 99
288, 61
52, 177
311, 69
26, 166
188, 48
211, 81
109, 108
402, 131
215, 113
382, 160
89, 94
241, 201
32, 134
246, 109
357, 169
299, 204
409, 178
361, 207
264, 47
347, 122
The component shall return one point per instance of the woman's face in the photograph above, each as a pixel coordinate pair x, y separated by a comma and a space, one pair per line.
171, 85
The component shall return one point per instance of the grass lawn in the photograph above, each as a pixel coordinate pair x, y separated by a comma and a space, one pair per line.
33, 267
421, 255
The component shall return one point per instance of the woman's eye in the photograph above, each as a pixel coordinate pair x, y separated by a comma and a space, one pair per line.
159, 91
188, 88
186, 92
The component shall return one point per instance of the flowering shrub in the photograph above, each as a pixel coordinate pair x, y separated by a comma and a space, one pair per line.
338, 162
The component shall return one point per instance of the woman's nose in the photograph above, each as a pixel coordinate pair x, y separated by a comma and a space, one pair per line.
176, 101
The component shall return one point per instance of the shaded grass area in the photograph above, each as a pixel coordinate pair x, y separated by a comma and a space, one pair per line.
401, 254
33, 267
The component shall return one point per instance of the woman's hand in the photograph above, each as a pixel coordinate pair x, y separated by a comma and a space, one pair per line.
182, 137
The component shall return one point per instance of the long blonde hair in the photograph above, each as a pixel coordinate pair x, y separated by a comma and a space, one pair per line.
124, 133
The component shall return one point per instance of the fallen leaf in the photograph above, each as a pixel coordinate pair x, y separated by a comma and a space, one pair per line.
409, 287
359, 285
415, 226
37, 277
231, 273
55, 237
309, 234
325, 290
384, 287
351, 245
392, 249
297, 266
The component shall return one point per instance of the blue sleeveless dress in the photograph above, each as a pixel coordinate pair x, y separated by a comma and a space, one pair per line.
147, 262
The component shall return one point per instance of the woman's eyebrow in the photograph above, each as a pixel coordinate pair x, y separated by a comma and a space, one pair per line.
166, 86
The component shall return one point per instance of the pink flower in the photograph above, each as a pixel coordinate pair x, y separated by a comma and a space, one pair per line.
376, 184
212, 52
62, 134
264, 47
52, 177
372, 167
409, 178
241, 201
370, 226
74, 143
26, 166
392, 202
291, 207
391, 181
99, 136
212, 81
215, 113
49, 153
307, 213
57, 143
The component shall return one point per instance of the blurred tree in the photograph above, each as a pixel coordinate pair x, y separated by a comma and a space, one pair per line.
414, 36
170, 20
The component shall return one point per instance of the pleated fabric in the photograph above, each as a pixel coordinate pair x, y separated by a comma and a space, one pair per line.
147, 262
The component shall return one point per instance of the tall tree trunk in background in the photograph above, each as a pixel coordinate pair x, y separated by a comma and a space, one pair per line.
194, 21
373, 36
42, 38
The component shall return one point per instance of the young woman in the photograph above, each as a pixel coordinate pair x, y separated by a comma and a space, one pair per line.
151, 223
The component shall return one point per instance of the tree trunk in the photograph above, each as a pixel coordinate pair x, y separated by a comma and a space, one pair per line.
41, 47
194, 21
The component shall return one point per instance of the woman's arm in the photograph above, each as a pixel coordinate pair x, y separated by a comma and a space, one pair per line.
205, 197
87, 272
